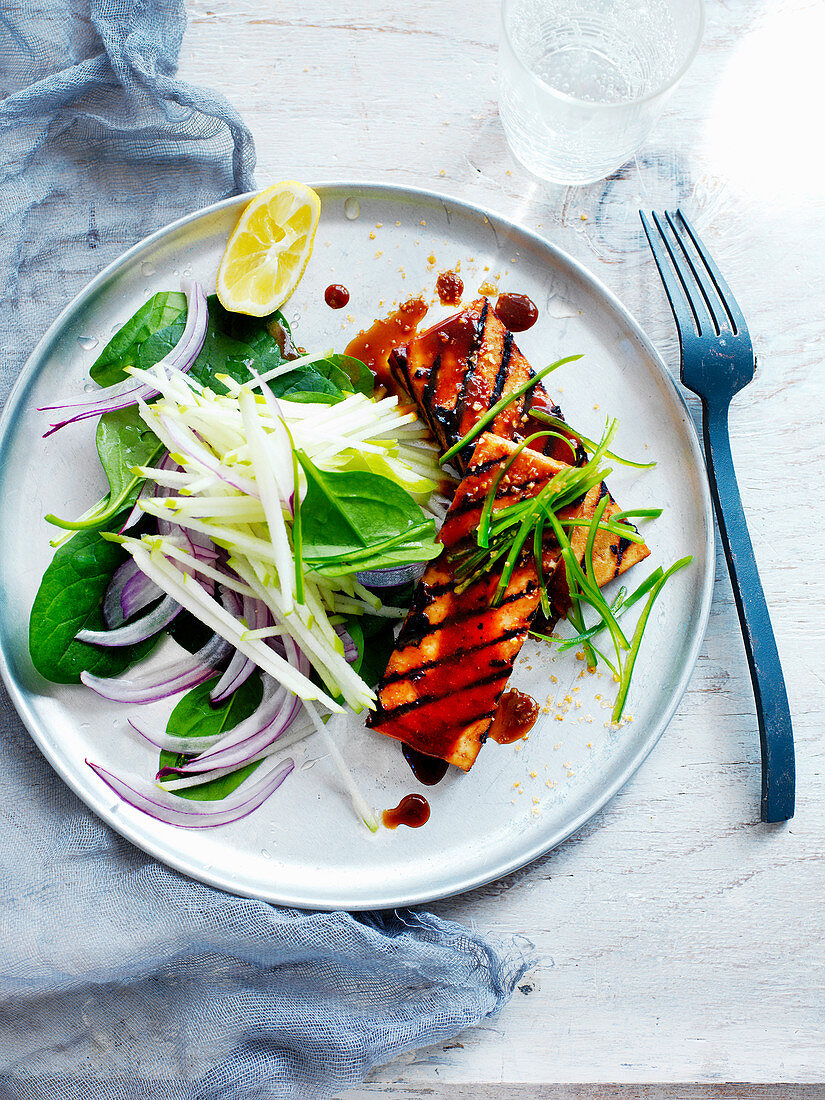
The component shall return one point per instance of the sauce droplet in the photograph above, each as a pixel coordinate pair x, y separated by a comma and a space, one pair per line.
336, 296
428, 770
352, 209
516, 312
449, 286
516, 715
373, 346
413, 810
282, 338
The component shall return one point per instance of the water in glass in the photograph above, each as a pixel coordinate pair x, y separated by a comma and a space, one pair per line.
583, 81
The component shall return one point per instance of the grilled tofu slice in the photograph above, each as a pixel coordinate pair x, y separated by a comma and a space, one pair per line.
455, 652
456, 371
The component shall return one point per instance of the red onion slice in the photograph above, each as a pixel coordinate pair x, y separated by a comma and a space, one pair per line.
272, 718
393, 577
240, 668
162, 740
180, 675
127, 393
173, 810
241, 752
268, 710
232, 602
202, 546
137, 631
300, 732
138, 592
160, 491
293, 653
112, 610
275, 715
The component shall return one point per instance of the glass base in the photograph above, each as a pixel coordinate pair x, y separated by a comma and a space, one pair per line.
563, 175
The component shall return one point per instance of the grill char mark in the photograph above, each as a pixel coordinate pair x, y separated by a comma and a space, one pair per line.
621, 548
397, 363
472, 361
503, 491
428, 697
432, 384
503, 368
467, 384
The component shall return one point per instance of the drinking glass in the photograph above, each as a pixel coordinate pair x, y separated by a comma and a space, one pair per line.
582, 82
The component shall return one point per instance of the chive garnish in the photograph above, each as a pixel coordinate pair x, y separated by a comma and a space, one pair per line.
589, 445
637, 513
499, 406
627, 670
591, 534
538, 554
623, 530
620, 604
360, 556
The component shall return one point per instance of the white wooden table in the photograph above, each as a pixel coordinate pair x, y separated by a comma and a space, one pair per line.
682, 940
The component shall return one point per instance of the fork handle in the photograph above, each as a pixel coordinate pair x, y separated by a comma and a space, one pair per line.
772, 710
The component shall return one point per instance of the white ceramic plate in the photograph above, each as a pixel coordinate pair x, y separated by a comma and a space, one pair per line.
305, 847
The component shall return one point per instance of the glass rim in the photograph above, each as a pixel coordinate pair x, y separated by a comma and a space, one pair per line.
589, 104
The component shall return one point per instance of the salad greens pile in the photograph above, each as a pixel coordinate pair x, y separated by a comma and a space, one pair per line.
274, 479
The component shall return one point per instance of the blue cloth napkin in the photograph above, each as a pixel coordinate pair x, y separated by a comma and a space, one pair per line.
119, 978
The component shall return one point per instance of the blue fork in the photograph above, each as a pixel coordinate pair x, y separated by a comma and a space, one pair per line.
717, 361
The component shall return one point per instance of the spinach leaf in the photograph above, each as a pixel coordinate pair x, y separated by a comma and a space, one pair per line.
386, 555
234, 342
355, 631
326, 380
358, 519
360, 378
67, 601
123, 441
159, 344
122, 350
196, 716
255, 331
305, 384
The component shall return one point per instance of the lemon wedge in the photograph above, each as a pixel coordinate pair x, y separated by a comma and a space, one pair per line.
268, 251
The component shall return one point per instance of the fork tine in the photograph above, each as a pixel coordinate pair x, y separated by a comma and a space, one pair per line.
711, 296
732, 309
683, 312
705, 321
